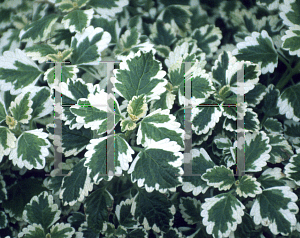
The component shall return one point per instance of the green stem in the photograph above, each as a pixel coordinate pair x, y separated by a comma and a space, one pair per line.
264, 119
283, 81
283, 60
138, 149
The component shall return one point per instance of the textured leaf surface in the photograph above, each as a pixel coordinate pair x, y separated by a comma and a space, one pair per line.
137, 107
276, 208
62, 230
77, 20
281, 149
17, 71
31, 150
221, 214
21, 108
149, 169
190, 209
141, 74
257, 150
32, 231
200, 163
157, 126
96, 157
42, 210
258, 48
123, 214
76, 185
248, 187
88, 45
153, 210
219, 177
289, 102
96, 205
39, 30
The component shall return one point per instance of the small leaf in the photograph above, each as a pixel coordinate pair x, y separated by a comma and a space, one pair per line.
137, 107
291, 40
21, 108
190, 209
7, 141
292, 169
124, 216
77, 20
248, 187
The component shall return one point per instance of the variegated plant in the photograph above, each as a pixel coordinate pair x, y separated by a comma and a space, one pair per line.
150, 194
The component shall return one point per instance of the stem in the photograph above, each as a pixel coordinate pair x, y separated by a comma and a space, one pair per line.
285, 62
138, 149
263, 120
283, 81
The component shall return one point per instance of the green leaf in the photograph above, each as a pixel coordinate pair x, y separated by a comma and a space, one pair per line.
276, 208
73, 141
139, 75
290, 12
219, 177
137, 107
19, 194
17, 71
257, 151
208, 38
200, 163
244, 229
32, 231
96, 157
291, 40
124, 216
7, 141
270, 101
269, 4
107, 24
256, 95
258, 48
61, 230
271, 177
76, 185
162, 33
190, 209
251, 121
206, 117
292, 169
161, 174
21, 108
9, 40
31, 150
281, 149
96, 205
42, 103
127, 124
153, 210
38, 30
274, 126
88, 45
157, 126
247, 186
166, 101
77, 20
108, 8
40, 51
42, 210
289, 102
221, 214
67, 72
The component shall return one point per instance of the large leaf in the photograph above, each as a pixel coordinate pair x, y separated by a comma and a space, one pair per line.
201, 161
149, 169
221, 214
162, 33
123, 214
31, 150
281, 149
257, 150
271, 177
39, 30
88, 45
17, 71
42, 210
77, 20
153, 210
76, 185
258, 48
141, 74
190, 209
276, 208
289, 102
290, 12
219, 177
157, 126
96, 208
291, 40
96, 157
7, 141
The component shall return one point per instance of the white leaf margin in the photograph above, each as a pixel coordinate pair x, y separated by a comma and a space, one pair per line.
258, 190
10, 142
89, 13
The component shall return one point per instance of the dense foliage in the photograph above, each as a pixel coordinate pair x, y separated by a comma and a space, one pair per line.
149, 194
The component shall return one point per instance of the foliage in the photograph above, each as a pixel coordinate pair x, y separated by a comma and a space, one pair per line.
158, 46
